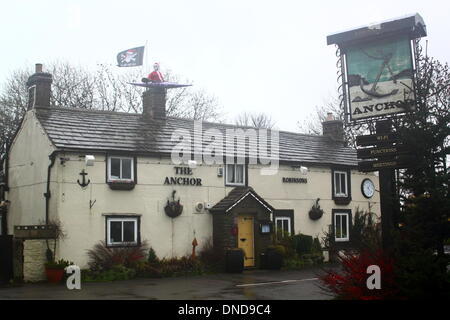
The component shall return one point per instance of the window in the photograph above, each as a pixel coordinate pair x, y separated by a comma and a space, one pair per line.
122, 230
340, 184
341, 226
235, 174
120, 168
282, 226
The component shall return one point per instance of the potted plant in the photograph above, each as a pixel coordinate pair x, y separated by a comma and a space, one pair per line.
234, 260
273, 259
173, 208
316, 212
55, 270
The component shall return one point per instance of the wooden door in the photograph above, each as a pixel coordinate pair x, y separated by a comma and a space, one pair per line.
246, 239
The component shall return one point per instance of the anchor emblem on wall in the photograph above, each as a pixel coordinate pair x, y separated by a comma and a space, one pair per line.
83, 182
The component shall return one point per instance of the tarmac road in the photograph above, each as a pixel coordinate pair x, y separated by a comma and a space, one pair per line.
252, 285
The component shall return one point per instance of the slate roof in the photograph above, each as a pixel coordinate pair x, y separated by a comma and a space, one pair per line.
235, 196
73, 129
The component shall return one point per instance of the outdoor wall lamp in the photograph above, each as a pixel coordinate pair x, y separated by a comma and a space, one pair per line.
89, 160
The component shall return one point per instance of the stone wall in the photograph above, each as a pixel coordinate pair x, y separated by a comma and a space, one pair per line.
34, 259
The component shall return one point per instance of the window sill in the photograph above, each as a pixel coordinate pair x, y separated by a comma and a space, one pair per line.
342, 200
121, 185
235, 185
123, 245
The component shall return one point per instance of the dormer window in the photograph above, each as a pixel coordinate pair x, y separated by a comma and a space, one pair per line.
120, 169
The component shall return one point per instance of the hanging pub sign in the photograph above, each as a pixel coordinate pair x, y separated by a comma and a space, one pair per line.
380, 78
377, 67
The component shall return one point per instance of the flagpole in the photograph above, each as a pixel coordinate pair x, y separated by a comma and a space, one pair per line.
146, 58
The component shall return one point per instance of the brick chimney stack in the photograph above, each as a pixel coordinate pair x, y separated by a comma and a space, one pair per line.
39, 88
333, 128
154, 103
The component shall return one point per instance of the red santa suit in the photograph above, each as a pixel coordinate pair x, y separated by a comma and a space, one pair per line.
156, 76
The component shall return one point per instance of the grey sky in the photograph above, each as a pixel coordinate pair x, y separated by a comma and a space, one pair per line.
268, 56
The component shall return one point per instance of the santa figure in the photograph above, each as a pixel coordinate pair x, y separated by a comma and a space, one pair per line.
155, 76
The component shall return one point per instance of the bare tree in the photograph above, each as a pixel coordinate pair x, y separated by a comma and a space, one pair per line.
102, 89
257, 120
313, 124
191, 104
13, 105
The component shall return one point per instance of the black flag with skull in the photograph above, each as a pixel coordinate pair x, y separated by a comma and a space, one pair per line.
131, 57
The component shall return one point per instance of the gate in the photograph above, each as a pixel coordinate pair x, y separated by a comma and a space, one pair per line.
6, 258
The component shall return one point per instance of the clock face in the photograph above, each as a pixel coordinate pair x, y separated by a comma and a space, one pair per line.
367, 188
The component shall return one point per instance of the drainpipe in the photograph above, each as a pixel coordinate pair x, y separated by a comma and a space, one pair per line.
47, 195
6, 172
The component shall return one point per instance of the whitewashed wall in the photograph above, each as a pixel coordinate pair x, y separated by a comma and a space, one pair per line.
85, 226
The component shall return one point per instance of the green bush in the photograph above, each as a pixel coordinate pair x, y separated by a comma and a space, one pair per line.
179, 266
303, 243
145, 269
117, 272
211, 259
279, 248
60, 264
152, 257
316, 247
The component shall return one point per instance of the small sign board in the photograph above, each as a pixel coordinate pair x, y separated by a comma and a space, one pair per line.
376, 165
380, 152
375, 139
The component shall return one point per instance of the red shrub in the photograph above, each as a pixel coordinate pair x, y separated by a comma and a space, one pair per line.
351, 281
102, 257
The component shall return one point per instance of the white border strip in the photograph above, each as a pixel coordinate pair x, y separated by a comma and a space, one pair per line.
249, 192
274, 282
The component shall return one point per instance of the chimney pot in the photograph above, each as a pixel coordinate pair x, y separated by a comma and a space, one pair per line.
333, 128
39, 88
154, 103
330, 116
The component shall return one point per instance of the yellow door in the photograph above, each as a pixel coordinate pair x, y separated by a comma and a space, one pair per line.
245, 239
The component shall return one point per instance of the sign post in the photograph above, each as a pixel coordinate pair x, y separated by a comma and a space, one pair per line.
387, 192
378, 84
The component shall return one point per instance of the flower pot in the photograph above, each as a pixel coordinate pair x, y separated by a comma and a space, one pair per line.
54, 275
173, 209
273, 259
234, 261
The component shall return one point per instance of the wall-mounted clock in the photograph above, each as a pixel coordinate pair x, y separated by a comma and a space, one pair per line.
367, 188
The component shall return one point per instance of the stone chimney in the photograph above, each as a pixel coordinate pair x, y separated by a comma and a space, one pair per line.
333, 128
39, 88
154, 103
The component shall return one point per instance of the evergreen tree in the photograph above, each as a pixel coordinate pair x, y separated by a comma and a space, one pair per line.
421, 265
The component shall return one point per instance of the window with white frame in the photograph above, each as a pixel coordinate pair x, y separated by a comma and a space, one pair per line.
341, 226
122, 230
235, 174
282, 226
340, 184
120, 168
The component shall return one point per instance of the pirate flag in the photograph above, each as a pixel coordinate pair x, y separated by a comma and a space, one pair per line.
131, 57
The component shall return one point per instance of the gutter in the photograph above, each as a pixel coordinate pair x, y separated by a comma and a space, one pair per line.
48, 194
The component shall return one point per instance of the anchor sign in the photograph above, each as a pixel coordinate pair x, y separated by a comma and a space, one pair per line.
373, 90
83, 184
379, 78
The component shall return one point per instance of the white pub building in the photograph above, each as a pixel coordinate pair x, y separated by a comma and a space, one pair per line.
108, 176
